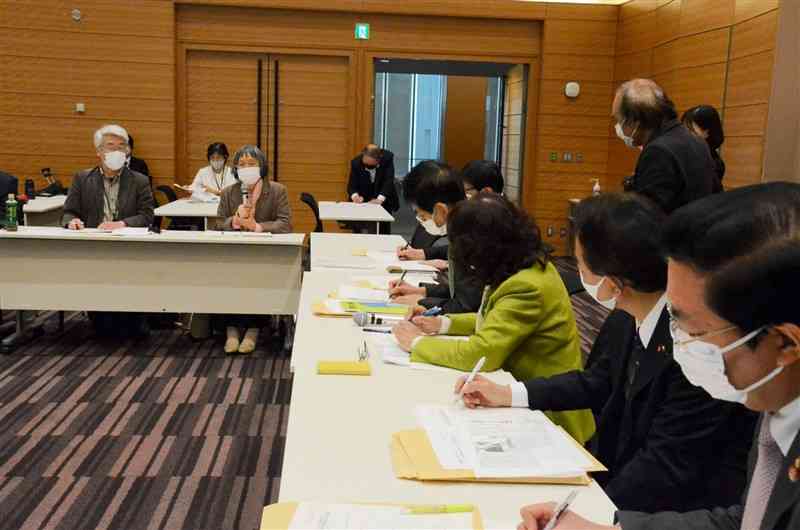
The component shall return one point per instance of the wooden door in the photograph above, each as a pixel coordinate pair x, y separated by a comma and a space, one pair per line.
514, 120
312, 131
222, 103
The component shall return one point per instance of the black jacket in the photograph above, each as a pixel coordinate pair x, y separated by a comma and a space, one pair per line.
85, 199
457, 293
783, 508
671, 446
675, 168
384, 184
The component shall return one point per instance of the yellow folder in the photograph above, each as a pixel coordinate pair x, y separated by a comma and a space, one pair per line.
321, 310
344, 368
359, 252
413, 458
279, 516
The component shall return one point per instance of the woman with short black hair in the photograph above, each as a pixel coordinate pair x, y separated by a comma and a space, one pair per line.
704, 121
214, 177
525, 323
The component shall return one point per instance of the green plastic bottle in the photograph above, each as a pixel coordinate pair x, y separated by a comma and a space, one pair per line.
11, 213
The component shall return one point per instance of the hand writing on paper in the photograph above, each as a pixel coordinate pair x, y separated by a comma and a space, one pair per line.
403, 289
428, 325
536, 517
482, 392
405, 333
75, 224
358, 199
410, 254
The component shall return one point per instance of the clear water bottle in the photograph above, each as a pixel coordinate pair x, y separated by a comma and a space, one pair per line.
11, 213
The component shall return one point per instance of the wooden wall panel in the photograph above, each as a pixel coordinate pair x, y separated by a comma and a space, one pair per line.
746, 9
52, 63
584, 37
722, 54
756, 35
698, 16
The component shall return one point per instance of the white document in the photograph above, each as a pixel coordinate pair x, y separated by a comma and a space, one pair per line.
410, 266
319, 516
350, 263
504, 442
199, 195
382, 282
385, 347
364, 294
131, 231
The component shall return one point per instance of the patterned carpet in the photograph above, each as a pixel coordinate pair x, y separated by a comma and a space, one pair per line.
162, 433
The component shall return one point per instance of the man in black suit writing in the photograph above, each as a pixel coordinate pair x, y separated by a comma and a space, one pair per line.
372, 180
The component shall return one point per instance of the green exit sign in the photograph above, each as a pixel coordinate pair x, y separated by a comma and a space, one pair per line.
362, 31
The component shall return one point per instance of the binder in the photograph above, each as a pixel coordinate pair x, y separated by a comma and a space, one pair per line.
279, 516
414, 458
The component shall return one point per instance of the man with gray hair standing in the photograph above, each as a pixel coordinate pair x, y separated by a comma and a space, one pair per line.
110, 195
675, 166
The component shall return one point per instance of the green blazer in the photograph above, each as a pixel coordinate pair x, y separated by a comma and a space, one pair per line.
527, 329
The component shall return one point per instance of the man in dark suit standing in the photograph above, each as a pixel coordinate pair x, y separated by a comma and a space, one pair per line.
675, 166
372, 180
733, 291
110, 195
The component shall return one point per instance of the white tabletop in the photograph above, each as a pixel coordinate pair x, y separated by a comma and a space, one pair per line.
45, 204
340, 427
336, 251
166, 236
350, 211
187, 208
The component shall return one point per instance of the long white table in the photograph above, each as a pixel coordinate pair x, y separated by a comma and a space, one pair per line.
189, 208
44, 211
350, 211
330, 251
178, 271
340, 427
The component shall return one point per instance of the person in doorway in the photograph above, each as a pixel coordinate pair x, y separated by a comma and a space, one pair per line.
372, 180
252, 204
732, 288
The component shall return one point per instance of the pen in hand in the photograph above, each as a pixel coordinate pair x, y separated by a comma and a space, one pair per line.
472, 374
560, 509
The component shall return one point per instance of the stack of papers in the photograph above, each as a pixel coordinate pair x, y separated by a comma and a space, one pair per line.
362, 294
333, 306
495, 445
382, 281
384, 346
318, 516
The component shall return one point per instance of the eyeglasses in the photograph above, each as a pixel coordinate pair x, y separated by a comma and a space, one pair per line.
675, 330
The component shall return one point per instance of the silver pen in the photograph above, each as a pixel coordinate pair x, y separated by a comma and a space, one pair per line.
560, 509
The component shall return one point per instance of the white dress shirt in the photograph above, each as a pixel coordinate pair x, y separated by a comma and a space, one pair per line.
519, 392
206, 177
785, 424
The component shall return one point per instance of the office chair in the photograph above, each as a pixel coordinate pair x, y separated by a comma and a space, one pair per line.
312, 203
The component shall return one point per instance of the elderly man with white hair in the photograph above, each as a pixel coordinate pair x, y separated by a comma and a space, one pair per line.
110, 195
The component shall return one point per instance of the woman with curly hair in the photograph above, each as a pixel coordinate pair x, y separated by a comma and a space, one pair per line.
525, 323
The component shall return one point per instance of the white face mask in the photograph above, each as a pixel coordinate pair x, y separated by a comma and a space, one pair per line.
217, 165
593, 291
431, 227
627, 139
249, 176
703, 364
115, 160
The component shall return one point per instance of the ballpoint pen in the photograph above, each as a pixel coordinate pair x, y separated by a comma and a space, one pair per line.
432, 312
475, 370
560, 509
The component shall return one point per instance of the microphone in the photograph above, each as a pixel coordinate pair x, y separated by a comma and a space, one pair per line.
373, 319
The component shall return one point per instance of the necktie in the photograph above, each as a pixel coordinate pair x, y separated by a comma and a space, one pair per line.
637, 351
762, 482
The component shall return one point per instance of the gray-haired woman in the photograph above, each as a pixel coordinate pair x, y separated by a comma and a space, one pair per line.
252, 204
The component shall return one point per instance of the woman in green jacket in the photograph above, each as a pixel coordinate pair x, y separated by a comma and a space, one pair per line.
525, 323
